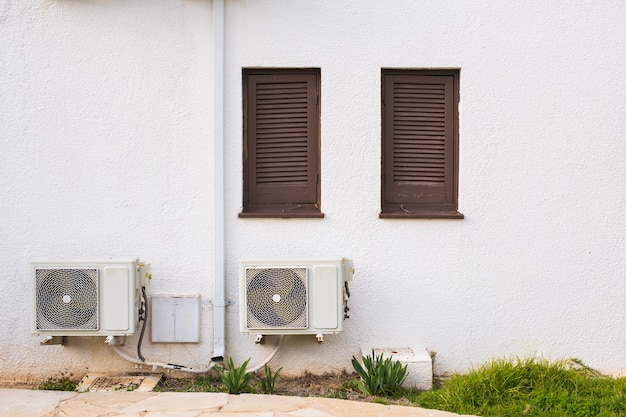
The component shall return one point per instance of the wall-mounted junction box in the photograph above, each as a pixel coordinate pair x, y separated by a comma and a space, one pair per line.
175, 318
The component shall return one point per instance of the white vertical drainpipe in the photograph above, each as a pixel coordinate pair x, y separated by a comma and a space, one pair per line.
219, 302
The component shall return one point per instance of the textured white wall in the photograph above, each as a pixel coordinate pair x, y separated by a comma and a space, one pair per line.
107, 150
106, 145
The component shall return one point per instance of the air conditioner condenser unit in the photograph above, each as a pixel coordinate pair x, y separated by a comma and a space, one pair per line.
87, 297
298, 296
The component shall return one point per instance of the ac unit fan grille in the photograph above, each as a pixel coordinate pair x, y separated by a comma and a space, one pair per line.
66, 299
276, 298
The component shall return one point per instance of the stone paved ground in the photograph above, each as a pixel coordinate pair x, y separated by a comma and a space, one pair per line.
32, 403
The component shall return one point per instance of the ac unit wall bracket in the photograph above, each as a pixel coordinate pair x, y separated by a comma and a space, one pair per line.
52, 340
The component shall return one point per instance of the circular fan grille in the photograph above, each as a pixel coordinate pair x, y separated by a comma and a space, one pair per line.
276, 298
67, 299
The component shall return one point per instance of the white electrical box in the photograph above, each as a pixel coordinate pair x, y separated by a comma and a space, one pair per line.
175, 318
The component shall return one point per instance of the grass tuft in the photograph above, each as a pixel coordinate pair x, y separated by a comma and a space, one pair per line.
530, 387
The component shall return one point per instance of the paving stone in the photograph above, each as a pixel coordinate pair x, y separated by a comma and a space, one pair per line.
115, 400
124, 415
398, 411
305, 412
342, 408
236, 414
79, 408
30, 403
179, 401
257, 402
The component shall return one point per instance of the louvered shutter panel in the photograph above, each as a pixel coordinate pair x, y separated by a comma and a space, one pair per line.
419, 160
282, 139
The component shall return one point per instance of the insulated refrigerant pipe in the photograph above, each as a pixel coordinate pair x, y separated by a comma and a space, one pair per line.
156, 365
270, 356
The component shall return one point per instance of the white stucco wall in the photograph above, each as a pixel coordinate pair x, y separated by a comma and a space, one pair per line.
106, 114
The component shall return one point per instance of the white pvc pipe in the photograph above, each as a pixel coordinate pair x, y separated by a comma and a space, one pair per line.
219, 301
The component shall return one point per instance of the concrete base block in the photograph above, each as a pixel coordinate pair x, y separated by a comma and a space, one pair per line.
418, 363
126, 382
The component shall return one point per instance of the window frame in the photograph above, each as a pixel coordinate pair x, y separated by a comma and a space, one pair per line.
420, 199
289, 199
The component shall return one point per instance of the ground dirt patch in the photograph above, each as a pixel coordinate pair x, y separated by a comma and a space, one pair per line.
340, 385
311, 385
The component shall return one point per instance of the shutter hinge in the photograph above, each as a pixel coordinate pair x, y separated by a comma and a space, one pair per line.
317, 177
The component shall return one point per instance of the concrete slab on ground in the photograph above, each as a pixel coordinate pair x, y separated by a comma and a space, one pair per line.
33, 403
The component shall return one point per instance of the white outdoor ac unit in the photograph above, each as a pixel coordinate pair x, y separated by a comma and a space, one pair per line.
89, 297
294, 296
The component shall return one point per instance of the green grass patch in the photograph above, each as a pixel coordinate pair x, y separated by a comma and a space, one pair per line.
64, 382
529, 387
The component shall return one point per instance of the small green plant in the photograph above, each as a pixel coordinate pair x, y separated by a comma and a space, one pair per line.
62, 383
269, 379
378, 376
235, 379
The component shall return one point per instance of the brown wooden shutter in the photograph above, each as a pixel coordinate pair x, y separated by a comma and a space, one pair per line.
419, 141
281, 134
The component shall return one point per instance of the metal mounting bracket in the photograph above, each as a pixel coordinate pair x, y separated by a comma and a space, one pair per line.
52, 340
218, 304
115, 340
